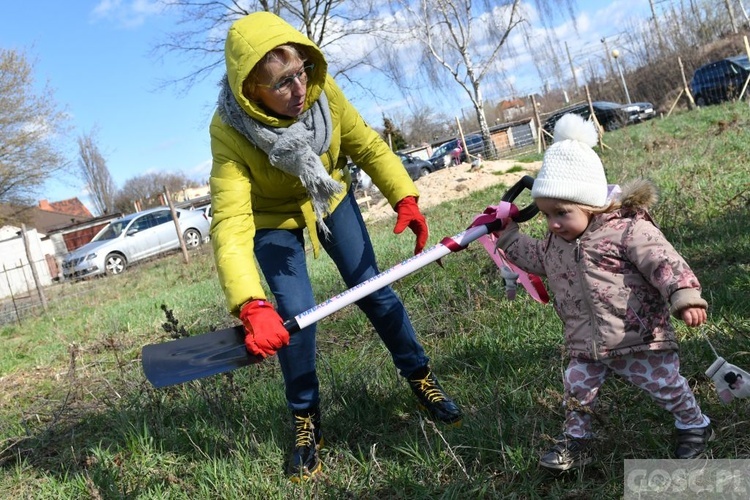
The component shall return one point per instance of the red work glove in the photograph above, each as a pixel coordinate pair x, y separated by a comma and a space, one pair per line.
409, 215
264, 329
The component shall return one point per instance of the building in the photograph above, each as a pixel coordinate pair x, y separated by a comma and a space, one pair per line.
43, 242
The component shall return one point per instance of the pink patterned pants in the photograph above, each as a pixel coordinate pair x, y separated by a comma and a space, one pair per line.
656, 372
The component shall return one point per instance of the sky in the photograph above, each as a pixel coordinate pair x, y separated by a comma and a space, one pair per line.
96, 57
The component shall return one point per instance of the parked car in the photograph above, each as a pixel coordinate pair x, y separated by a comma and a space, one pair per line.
719, 81
135, 237
360, 180
208, 211
610, 115
416, 167
639, 111
442, 157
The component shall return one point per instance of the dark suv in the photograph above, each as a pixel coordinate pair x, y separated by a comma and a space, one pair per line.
610, 116
441, 156
720, 80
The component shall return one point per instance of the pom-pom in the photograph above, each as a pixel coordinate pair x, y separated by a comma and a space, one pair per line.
573, 127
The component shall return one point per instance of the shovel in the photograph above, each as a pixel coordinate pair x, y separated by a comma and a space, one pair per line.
220, 351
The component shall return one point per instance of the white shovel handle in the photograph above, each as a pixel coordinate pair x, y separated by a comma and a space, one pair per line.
381, 280
448, 245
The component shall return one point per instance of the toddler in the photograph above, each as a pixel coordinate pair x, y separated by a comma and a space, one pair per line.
616, 281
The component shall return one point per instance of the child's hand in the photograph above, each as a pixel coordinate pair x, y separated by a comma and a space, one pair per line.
506, 223
694, 316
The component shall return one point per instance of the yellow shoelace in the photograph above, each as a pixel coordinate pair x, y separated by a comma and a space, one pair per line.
428, 387
304, 429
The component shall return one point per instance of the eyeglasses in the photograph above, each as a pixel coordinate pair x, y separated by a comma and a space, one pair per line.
284, 86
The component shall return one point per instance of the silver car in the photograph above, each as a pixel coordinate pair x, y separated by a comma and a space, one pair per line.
135, 237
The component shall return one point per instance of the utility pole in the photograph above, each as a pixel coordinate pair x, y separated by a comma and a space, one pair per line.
656, 26
572, 68
609, 57
744, 12
730, 10
616, 54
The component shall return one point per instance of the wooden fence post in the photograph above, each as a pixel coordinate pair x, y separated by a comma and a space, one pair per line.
12, 296
37, 282
539, 128
463, 140
744, 87
675, 102
691, 101
176, 225
599, 127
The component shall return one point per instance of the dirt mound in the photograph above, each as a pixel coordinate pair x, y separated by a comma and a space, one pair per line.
449, 184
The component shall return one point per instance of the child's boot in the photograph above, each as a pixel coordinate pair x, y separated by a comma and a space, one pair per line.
692, 443
567, 453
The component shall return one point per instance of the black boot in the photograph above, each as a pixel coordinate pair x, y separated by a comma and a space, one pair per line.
567, 453
308, 439
692, 443
433, 398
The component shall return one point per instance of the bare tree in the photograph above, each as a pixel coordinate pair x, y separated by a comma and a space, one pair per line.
30, 125
463, 39
147, 188
203, 25
93, 169
546, 56
424, 126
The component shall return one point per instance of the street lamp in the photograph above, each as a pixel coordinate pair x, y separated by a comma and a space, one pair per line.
616, 54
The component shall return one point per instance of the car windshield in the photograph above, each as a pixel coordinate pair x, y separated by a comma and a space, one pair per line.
112, 231
441, 151
606, 105
742, 61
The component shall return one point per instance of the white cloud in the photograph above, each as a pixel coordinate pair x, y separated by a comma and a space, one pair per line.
127, 13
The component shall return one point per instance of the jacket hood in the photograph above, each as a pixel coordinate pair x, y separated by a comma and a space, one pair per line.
249, 39
635, 200
639, 194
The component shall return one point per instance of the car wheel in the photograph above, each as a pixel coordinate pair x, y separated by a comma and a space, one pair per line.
424, 171
115, 263
192, 239
700, 101
611, 125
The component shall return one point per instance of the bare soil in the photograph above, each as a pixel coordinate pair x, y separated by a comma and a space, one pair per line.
449, 184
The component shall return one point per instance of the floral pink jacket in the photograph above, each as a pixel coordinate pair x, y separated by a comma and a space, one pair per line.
615, 287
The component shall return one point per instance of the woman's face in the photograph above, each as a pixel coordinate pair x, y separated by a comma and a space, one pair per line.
564, 219
282, 87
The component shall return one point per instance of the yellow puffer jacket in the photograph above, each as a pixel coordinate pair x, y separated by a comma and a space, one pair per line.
247, 192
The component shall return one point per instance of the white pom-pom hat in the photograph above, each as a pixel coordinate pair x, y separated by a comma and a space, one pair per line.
571, 169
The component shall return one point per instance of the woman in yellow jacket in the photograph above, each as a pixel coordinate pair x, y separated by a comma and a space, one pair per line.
279, 140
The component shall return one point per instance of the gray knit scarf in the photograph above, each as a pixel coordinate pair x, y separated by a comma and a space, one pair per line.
295, 149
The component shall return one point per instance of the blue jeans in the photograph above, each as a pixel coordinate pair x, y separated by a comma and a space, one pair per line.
281, 256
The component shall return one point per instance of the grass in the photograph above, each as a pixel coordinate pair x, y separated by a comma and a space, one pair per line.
78, 420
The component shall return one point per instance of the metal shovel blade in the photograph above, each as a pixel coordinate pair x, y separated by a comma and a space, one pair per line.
194, 357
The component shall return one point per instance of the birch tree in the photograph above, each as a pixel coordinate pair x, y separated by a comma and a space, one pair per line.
463, 40
203, 24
